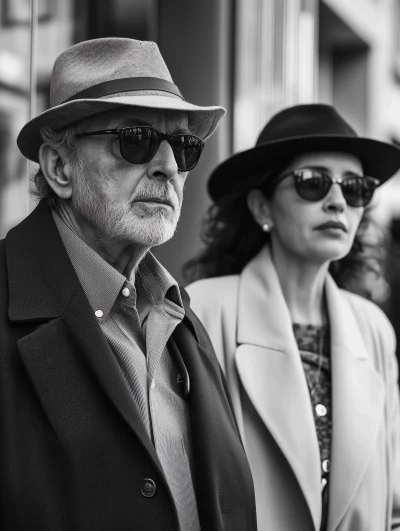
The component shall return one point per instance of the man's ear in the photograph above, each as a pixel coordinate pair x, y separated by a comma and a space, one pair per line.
259, 208
57, 171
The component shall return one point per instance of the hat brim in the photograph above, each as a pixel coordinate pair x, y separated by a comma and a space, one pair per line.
202, 121
379, 159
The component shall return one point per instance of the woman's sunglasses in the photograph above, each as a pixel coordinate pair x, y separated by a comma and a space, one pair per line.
313, 185
139, 144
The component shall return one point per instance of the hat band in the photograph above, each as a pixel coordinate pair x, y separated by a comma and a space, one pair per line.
126, 85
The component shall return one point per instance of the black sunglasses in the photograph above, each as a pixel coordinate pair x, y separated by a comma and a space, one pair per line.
313, 185
139, 144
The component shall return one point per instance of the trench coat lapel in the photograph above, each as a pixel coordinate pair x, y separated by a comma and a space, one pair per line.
52, 299
271, 372
357, 404
215, 435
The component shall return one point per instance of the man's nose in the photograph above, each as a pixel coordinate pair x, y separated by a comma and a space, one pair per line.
163, 165
335, 200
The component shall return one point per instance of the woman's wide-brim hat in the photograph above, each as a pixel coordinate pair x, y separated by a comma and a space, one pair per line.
102, 74
297, 130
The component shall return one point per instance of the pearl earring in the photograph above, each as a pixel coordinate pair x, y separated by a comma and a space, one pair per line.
266, 227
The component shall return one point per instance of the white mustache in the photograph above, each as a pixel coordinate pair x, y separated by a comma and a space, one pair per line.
155, 193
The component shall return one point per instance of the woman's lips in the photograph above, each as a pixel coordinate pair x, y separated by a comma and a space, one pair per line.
332, 225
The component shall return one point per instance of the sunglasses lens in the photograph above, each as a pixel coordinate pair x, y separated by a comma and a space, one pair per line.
314, 186
311, 185
358, 191
138, 144
187, 150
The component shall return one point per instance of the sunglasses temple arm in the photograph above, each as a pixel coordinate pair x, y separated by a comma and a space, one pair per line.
96, 133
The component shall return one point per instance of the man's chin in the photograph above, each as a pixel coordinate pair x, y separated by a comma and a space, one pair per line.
152, 234
159, 241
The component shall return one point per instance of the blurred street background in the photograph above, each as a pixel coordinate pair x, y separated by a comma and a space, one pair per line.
251, 56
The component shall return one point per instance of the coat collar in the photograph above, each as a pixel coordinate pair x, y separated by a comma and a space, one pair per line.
271, 371
34, 246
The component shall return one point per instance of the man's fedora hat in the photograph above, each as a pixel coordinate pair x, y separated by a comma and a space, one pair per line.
102, 74
303, 129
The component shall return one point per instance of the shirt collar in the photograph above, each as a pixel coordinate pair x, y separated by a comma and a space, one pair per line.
102, 283
157, 281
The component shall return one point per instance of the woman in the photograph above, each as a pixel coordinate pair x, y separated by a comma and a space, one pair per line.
310, 366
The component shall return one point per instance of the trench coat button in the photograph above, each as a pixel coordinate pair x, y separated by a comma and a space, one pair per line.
321, 410
148, 488
325, 465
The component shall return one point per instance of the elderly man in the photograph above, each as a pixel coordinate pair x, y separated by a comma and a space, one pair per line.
114, 414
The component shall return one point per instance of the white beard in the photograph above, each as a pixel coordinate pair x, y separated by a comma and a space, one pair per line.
116, 220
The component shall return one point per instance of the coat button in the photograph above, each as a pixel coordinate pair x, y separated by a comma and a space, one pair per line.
126, 292
321, 410
148, 488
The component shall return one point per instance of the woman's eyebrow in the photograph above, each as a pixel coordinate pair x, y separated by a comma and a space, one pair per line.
317, 168
328, 170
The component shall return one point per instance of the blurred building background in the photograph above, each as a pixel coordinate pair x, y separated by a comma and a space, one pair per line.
251, 56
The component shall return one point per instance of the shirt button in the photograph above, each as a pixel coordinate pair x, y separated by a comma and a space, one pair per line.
98, 313
321, 410
325, 465
126, 292
148, 488
153, 384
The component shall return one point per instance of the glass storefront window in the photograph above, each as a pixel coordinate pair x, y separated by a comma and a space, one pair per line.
274, 61
55, 33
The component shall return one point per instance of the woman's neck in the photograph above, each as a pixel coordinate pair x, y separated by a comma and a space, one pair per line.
302, 284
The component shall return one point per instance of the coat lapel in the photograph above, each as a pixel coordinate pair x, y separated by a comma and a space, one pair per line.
271, 372
270, 369
68, 341
215, 437
357, 405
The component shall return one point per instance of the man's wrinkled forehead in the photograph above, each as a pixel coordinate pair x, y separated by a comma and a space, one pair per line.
160, 119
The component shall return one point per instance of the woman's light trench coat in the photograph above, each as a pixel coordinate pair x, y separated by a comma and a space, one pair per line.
249, 324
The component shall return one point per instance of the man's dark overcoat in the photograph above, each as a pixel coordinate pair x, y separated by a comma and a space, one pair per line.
74, 453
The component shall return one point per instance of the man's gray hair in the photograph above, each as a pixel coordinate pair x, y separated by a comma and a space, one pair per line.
66, 139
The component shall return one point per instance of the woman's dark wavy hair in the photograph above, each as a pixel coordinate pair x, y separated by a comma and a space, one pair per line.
232, 238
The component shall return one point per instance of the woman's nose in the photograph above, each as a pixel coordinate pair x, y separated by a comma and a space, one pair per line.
335, 199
